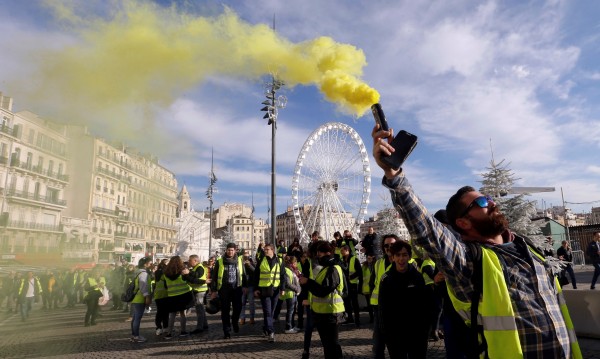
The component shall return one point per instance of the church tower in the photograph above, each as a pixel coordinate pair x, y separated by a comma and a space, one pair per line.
185, 202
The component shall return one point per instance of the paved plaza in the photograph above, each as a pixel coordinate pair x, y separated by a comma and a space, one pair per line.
60, 333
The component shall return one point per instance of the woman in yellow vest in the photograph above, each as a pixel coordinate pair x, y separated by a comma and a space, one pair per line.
161, 319
326, 300
367, 271
179, 294
292, 289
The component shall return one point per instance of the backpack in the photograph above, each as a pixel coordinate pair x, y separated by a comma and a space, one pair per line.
131, 290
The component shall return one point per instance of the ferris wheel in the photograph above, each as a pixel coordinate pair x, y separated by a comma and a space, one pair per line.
331, 183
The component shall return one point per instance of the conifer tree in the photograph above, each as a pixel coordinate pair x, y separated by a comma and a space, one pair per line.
497, 183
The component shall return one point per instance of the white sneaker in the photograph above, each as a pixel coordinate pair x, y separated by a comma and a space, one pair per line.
159, 331
291, 331
138, 339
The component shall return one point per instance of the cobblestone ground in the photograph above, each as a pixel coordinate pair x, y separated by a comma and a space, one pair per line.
60, 333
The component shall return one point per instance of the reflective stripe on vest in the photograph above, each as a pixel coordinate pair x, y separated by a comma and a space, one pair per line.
269, 276
240, 270
332, 303
289, 294
177, 287
379, 270
200, 287
426, 277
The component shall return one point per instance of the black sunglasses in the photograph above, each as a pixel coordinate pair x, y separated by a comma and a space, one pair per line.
482, 202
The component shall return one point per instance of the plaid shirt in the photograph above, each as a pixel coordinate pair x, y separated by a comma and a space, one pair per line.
541, 327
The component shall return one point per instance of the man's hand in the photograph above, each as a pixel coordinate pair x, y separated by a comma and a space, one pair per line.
381, 147
282, 293
213, 295
185, 271
257, 293
148, 300
303, 280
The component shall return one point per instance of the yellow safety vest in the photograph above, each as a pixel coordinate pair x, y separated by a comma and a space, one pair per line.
281, 255
160, 290
240, 270
332, 303
200, 287
497, 315
426, 277
139, 297
177, 287
352, 269
269, 276
338, 250
289, 294
366, 271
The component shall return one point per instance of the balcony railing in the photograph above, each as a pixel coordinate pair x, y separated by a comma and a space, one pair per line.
107, 211
35, 226
15, 163
36, 197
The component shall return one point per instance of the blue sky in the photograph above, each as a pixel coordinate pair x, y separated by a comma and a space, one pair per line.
523, 75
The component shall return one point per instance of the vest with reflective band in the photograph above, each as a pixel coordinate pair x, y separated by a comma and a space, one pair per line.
269, 276
333, 303
338, 250
160, 290
496, 311
352, 269
426, 277
240, 270
289, 294
366, 272
37, 287
379, 270
177, 287
200, 287
139, 297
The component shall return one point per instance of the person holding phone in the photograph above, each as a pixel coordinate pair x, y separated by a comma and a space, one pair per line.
524, 294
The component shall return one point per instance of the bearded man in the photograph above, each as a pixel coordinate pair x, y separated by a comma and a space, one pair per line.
517, 302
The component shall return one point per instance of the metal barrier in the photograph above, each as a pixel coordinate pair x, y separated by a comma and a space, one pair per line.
578, 258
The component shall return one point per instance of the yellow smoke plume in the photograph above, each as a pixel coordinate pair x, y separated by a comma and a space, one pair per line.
144, 54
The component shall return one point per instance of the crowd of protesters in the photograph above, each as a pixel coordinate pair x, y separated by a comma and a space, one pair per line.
318, 286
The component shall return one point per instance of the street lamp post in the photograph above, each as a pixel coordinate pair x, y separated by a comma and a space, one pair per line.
272, 104
212, 189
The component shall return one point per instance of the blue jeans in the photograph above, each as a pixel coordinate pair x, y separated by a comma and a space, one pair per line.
268, 306
138, 313
248, 300
26, 307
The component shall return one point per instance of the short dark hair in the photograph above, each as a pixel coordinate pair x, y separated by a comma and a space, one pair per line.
397, 246
231, 245
455, 208
441, 216
325, 247
386, 236
142, 262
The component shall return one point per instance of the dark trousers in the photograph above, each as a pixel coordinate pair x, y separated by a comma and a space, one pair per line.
569, 269
92, 310
230, 297
290, 304
351, 303
327, 327
300, 310
378, 340
369, 307
268, 306
308, 329
161, 319
402, 347
596, 265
